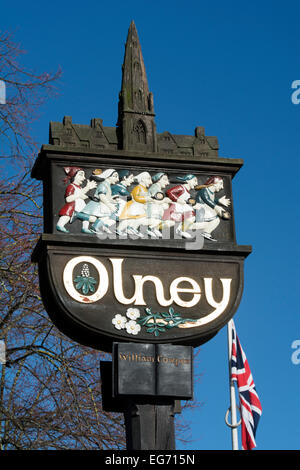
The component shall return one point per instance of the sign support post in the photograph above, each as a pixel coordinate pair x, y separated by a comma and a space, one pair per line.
150, 426
149, 420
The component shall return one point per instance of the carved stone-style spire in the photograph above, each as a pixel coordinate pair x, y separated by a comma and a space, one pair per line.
136, 113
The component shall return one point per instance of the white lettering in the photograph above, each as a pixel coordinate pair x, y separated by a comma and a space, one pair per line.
117, 460
219, 306
69, 285
159, 290
139, 281
138, 297
118, 282
174, 290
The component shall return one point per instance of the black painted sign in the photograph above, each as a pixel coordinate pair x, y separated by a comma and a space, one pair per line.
143, 296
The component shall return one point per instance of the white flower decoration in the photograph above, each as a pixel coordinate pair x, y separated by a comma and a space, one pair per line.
133, 313
119, 321
132, 327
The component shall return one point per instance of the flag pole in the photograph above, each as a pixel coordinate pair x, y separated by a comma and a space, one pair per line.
234, 424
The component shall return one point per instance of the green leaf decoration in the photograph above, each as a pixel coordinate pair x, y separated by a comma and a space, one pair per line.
85, 288
79, 285
92, 288
150, 330
143, 320
161, 321
85, 284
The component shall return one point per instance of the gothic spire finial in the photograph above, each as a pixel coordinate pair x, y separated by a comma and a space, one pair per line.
136, 102
134, 83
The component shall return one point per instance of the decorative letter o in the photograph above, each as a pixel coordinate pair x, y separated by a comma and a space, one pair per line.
68, 279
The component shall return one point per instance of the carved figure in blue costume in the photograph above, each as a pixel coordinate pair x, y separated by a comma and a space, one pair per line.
119, 190
103, 206
209, 208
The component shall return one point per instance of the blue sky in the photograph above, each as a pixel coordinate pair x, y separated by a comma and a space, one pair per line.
227, 66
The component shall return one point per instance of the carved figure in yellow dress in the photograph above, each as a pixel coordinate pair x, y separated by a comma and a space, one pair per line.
134, 213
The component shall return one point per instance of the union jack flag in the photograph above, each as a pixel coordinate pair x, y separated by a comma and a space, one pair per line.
250, 406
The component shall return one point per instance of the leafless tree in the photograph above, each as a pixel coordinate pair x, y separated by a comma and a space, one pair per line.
26, 91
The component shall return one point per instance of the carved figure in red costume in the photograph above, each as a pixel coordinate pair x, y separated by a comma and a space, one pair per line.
180, 210
75, 197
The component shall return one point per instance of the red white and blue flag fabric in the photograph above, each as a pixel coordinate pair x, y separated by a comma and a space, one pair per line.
250, 406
